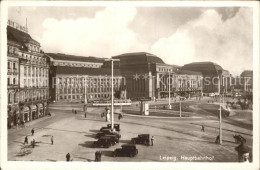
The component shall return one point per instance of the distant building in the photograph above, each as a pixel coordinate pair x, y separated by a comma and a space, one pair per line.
147, 76
74, 78
27, 76
211, 73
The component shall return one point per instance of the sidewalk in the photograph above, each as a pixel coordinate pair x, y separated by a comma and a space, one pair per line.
28, 124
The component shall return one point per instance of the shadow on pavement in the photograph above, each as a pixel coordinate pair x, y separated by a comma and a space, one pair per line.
108, 153
125, 141
46, 135
89, 160
65, 130
18, 142
95, 131
51, 160
87, 144
92, 135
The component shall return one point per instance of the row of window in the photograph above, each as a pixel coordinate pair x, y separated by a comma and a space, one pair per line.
12, 65
81, 90
12, 81
35, 83
15, 97
80, 96
33, 59
12, 50
35, 71
76, 64
87, 81
34, 48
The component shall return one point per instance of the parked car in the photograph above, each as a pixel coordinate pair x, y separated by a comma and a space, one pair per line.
211, 94
103, 142
116, 126
126, 150
141, 139
114, 138
104, 128
107, 132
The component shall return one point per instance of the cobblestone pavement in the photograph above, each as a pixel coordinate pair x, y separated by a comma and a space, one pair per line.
175, 139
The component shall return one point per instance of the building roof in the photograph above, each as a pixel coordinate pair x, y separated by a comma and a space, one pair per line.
204, 67
138, 58
247, 73
85, 71
20, 37
60, 56
187, 72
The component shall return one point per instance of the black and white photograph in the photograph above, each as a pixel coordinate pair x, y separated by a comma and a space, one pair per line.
138, 83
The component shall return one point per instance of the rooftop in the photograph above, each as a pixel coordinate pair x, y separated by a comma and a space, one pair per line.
60, 56
138, 58
247, 73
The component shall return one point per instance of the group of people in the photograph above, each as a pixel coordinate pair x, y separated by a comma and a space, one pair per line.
106, 114
33, 141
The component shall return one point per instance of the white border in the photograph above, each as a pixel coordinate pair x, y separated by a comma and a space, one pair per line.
119, 165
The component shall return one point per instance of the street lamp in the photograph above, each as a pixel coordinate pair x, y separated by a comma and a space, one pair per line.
169, 106
220, 114
112, 91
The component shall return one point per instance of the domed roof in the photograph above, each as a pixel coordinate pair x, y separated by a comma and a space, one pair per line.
138, 58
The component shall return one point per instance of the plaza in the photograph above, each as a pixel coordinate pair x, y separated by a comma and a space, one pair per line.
175, 139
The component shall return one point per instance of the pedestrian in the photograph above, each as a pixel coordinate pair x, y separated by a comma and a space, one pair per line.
152, 139
217, 139
120, 116
99, 156
68, 157
202, 128
25, 140
33, 143
32, 131
52, 140
96, 156
85, 115
243, 152
75, 111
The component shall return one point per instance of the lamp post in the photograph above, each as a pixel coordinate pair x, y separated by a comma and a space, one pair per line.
220, 114
169, 82
112, 90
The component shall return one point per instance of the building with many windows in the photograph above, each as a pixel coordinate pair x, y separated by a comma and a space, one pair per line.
27, 76
211, 72
147, 76
74, 78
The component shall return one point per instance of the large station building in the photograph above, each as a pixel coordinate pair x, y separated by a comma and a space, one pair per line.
212, 74
76, 78
147, 76
27, 76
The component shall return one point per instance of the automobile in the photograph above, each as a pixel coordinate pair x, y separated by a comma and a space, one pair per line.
116, 126
113, 138
141, 139
228, 94
126, 150
103, 142
107, 132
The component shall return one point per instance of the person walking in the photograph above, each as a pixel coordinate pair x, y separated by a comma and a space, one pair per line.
75, 111
33, 143
32, 131
152, 139
52, 140
25, 140
68, 157
202, 128
217, 140
96, 156
120, 116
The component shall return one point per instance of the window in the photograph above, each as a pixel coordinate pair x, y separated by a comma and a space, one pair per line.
14, 66
24, 82
13, 80
25, 70
8, 81
9, 65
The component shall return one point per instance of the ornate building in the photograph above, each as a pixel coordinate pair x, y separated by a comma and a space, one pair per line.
147, 76
27, 76
74, 78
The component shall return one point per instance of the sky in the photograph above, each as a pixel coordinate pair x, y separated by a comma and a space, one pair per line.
178, 35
